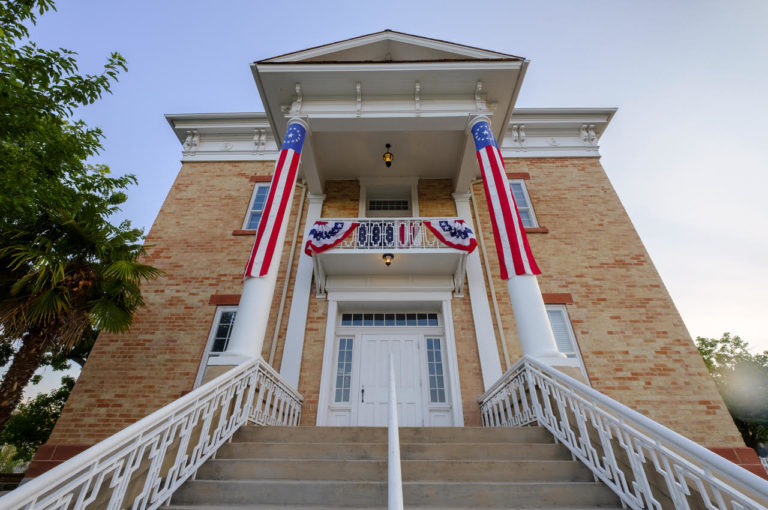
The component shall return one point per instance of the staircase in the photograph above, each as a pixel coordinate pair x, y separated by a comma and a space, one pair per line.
335, 467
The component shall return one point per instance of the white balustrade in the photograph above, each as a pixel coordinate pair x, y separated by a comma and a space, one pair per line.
764, 462
141, 466
646, 464
391, 234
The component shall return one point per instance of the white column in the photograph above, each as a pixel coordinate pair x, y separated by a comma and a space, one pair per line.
250, 325
490, 364
533, 327
290, 367
534, 330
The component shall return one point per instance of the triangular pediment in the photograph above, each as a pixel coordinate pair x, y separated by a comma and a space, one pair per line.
389, 46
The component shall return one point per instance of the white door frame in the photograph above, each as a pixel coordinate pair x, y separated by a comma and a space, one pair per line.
443, 298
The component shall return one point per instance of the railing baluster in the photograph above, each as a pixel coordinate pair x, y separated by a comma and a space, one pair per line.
585, 420
116, 462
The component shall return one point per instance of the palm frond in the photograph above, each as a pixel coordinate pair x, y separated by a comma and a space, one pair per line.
108, 316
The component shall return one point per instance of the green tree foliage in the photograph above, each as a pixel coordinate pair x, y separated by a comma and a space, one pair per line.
43, 150
8, 462
65, 269
33, 421
742, 379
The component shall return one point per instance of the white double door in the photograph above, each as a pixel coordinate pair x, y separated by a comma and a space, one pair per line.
408, 355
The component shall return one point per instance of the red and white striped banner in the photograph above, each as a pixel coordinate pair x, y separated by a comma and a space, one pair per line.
453, 233
508, 231
327, 234
275, 208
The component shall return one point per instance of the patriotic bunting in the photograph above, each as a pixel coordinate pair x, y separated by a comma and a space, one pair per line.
277, 202
511, 242
325, 235
454, 233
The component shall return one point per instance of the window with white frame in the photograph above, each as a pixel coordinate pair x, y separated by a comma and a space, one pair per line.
222, 329
218, 338
523, 202
561, 327
256, 207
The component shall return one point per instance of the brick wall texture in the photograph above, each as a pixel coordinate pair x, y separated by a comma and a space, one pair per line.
632, 339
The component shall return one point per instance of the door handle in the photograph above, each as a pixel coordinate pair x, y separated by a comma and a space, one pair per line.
362, 395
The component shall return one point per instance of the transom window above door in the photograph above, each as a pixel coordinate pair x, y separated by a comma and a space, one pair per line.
389, 198
388, 204
390, 319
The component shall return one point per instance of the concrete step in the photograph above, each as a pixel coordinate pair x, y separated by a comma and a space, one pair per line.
412, 470
379, 435
408, 451
302, 507
371, 494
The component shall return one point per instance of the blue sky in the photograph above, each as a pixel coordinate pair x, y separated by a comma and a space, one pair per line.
687, 151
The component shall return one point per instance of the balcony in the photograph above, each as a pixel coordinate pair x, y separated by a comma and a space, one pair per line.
416, 248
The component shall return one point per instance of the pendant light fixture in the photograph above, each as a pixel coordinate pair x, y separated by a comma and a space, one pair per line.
388, 157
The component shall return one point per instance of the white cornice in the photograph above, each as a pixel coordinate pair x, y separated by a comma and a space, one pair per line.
555, 132
224, 136
530, 133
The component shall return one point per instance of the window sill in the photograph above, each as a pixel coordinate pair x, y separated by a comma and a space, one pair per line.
536, 230
243, 232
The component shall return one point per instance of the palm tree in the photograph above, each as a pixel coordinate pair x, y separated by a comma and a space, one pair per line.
62, 275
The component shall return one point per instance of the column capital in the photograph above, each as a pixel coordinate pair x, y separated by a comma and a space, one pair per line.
315, 198
300, 119
461, 197
474, 119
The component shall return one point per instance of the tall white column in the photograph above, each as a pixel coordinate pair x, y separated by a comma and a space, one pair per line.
290, 367
490, 363
533, 327
250, 325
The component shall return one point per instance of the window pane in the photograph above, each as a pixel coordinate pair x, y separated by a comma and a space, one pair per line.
435, 368
525, 217
560, 329
517, 193
343, 370
430, 319
223, 331
253, 221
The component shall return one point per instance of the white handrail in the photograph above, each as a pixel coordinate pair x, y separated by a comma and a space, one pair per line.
141, 466
646, 464
394, 475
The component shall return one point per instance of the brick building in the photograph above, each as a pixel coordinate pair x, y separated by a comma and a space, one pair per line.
331, 317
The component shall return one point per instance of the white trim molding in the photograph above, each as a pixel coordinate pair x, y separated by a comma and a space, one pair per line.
531, 133
441, 300
224, 136
555, 132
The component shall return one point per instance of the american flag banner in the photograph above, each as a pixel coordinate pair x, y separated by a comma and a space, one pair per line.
508, 231
276, 205
327, 234
454, 233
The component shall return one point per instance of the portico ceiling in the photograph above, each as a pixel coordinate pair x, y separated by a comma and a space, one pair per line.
423, 154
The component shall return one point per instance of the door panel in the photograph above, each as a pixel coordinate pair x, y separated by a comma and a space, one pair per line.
373, 380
